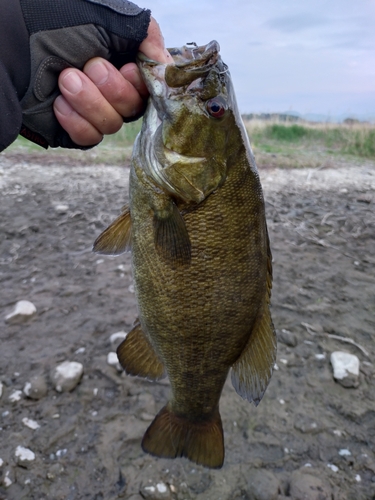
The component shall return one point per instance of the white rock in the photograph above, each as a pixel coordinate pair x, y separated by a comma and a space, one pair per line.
1, 389
1, 462
333, 467
344, 452
24, 455
117, 338
67, 375
31, 424
112, 360
7, 481
36, 387
345, 368
61, 208
23, 310
15, 396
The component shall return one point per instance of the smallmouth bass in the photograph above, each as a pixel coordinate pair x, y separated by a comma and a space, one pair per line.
200, 254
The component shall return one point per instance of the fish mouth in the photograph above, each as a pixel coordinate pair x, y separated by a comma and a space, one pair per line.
190, 62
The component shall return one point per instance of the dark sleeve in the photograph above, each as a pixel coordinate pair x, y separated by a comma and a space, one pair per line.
14, 69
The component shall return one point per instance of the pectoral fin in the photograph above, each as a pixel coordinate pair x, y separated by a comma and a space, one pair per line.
116, 239
252, 371
171, 237
138, 357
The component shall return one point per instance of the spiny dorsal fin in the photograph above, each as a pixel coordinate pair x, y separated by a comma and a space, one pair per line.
116, 239
172, 238
171, 435
138, 357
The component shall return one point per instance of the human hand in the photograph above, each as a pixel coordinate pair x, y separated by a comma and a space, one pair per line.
95, 101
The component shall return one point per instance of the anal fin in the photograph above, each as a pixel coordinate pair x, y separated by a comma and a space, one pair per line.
116, 239
138, 357
171, 435
252, 371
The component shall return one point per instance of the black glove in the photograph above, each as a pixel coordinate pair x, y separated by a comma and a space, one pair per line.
65, 33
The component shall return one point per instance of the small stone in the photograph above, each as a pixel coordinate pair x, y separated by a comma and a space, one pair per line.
1, 462
67, 375
7, 480
31, 424
24, 455
333, 467
288, 338
15, 396
22, 311
112, 360
55, 470
158, 491
61, 208
262, 485
36, 387
1, 389
305, 486
345, 368
306, 424
117, 338
344, 453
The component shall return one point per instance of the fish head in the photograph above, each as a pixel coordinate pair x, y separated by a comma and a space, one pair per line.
188, 127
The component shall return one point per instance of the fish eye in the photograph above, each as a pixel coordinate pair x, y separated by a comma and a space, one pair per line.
216, 107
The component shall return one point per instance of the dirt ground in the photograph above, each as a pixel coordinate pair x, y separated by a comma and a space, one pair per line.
322, 230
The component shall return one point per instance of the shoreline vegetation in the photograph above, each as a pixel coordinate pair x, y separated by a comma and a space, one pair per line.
277, 141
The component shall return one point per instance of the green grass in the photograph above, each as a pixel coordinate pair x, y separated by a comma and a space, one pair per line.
274, 143
343, 139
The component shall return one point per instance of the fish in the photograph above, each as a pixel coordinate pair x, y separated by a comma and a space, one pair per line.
201, 258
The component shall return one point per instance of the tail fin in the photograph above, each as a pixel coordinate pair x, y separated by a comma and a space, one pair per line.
171, 436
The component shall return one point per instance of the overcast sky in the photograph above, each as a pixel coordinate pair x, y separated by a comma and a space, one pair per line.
315, 56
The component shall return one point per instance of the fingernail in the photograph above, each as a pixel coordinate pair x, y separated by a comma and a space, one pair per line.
97, 72
62, 106
72, 82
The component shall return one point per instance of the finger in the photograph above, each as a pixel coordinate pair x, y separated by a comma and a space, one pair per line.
153, 46
118, 90
132, 74
79, 129
87, 100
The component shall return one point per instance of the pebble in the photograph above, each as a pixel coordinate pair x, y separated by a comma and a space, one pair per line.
31, 424
344, 453
262, 485
36, 387
24, 455
61, 208
22, 311
15, 396
117, 338
112, 360
345, 368
67, 375
1, 462
1, 389
305, 486
288, 338
333, 467
7, 480
159, 491
306, 424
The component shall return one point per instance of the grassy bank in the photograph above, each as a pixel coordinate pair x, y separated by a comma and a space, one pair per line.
274, 143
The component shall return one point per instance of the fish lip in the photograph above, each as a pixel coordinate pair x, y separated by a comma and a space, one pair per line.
194, 54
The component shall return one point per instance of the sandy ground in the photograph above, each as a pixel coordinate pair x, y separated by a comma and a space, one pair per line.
322, 230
